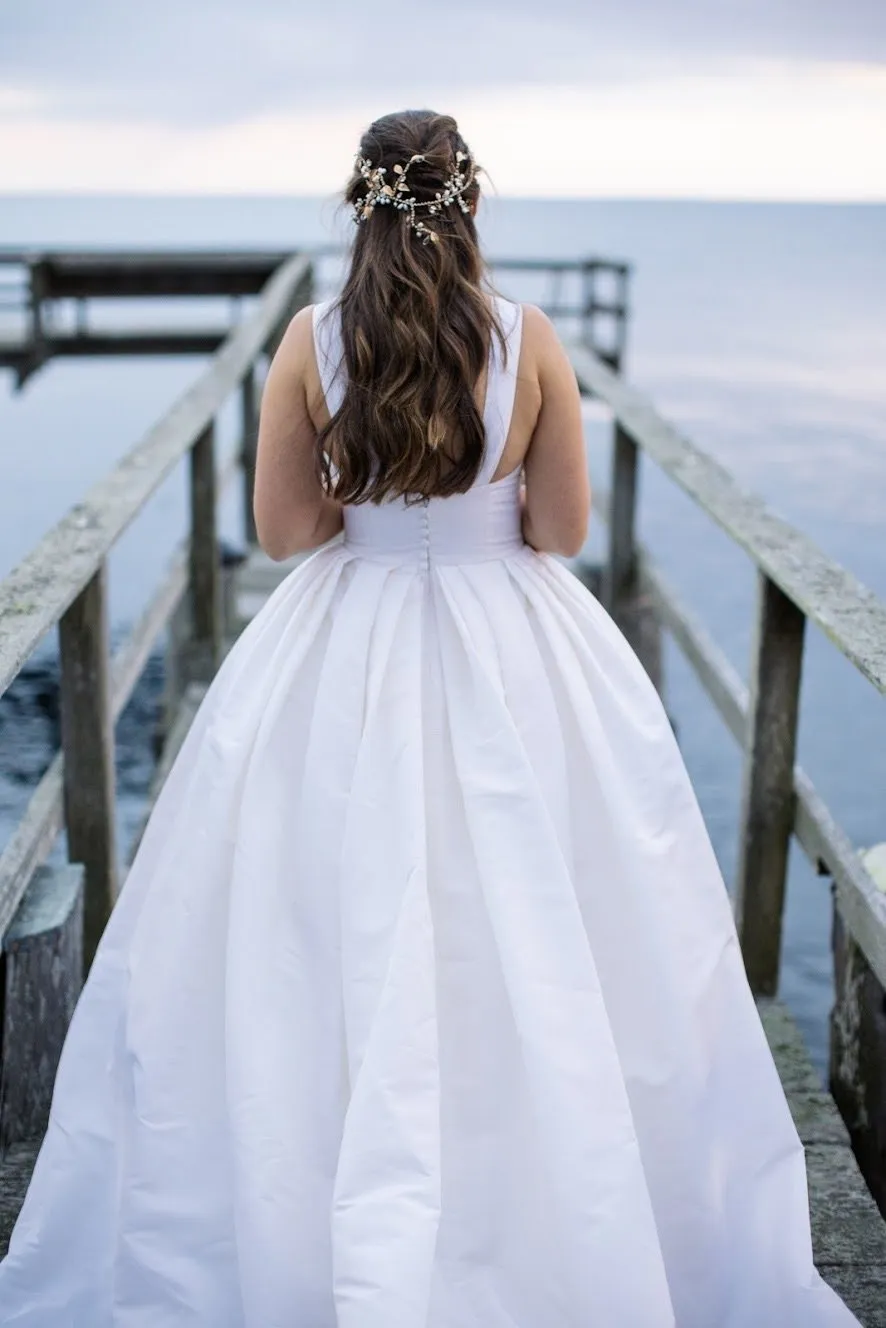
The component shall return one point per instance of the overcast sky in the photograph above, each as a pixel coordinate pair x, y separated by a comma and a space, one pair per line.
736, 98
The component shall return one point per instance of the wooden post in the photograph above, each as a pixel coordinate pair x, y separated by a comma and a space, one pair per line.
302, 295
38, 351
767, 815
621, 321
37, 274
857, 1068
248, 401
88, 748
205, 587
589, 303
622, 565
42, 978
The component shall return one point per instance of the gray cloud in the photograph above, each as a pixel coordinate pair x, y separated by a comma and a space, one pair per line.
211, 61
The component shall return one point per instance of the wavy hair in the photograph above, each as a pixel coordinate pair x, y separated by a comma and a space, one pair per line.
416, 325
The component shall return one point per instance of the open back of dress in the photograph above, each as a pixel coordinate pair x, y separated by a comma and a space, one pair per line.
476, 526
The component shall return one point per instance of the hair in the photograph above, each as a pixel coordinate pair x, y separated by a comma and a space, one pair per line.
416, 326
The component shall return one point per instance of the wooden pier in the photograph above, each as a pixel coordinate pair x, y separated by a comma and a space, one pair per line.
52, 916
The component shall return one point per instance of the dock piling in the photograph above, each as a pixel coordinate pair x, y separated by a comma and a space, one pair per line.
768, 804
88, 752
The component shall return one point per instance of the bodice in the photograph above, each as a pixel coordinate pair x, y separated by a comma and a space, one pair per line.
481, 524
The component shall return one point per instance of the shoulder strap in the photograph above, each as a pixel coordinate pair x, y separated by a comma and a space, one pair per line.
501, 387
328, 350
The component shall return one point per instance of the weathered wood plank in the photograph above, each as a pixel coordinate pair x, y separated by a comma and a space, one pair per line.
857, 1065
32, 839
621, 323
93, 342
847, 612
88, 264
205, 587
38, 829
37, 592
249, 434
861, 904
15, 1176
229, 467
767, 813
621, 570
38, 283
713, 670
848, 1232
88, 749
847, 1228
862, 1289
43, 974
301, 295
127, 274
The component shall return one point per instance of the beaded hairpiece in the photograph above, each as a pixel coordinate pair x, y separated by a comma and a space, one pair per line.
383, 194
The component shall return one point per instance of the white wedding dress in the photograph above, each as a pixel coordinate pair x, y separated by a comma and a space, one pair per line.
422, 1005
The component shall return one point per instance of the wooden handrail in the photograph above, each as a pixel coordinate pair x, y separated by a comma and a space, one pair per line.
849, 614
797, 583
63, 581
41, 588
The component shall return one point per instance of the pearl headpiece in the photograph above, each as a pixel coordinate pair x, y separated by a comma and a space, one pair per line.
383, 194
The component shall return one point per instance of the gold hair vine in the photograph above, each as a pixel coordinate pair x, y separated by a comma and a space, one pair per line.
383, 194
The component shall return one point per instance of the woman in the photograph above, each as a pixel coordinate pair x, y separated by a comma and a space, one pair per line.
422, 1005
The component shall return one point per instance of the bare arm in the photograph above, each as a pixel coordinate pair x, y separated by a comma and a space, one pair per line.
557, 501
292, 513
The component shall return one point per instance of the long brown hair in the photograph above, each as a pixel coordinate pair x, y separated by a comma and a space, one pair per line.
416, 327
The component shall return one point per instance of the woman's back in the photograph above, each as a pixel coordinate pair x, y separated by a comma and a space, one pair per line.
485, 520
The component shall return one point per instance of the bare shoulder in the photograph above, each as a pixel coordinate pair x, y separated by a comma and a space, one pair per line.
299, 335
536, 324
545, 351
293, 369
540, 337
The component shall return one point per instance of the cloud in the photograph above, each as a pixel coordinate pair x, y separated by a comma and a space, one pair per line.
210, 62
738, 98
771, 130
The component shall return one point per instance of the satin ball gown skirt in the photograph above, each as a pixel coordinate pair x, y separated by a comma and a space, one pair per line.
422, 1005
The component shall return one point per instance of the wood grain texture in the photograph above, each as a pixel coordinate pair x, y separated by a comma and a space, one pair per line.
862, 905
849, 613
622, 561
39, 590
767, 810
249, 444
42, 976
88, 752
205, 586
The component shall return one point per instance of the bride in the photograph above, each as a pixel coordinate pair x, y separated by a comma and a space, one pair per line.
422, 1005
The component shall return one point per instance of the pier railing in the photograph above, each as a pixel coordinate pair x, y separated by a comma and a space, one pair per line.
47, 297
63, 582
796, 585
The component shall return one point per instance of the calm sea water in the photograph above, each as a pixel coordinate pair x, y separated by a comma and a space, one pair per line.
759, 329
